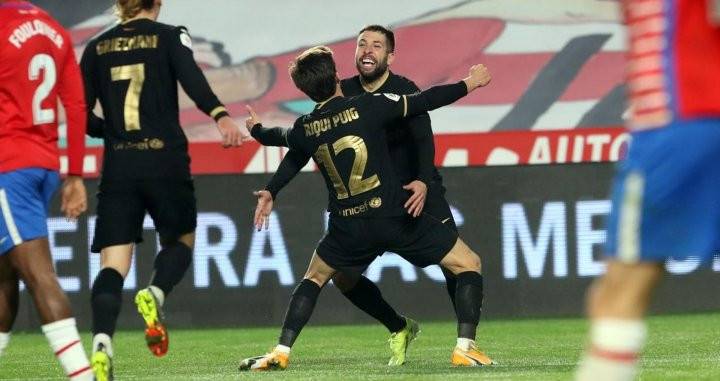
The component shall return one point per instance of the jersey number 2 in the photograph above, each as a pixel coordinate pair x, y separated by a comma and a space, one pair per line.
356, 183
136, 75
45, 63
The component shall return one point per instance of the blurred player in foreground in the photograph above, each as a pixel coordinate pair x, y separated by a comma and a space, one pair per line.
133, 70
37, 65
366, 200
666, 202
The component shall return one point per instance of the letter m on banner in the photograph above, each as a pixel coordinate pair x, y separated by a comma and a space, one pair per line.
516, 233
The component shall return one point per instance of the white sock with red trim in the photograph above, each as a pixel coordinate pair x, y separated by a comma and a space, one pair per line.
613, 350
65, 342
4, 340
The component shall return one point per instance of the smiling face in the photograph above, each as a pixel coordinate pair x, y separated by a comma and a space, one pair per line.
371, 55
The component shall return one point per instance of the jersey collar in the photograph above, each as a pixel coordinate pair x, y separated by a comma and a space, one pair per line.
381, 81
320, 104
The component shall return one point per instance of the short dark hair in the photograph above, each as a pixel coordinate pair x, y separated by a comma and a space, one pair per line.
314, 73
389, 35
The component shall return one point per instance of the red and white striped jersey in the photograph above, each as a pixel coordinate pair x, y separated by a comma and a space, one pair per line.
673, 61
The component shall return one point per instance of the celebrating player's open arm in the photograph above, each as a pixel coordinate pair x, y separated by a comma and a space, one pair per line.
293, 162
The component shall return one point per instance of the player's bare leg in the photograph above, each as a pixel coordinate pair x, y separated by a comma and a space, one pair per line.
617, 303
9, 300
34, 265
300, 308
466, 265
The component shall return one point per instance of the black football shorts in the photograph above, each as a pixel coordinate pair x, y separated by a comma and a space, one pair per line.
437, 206
122, 206
351, 244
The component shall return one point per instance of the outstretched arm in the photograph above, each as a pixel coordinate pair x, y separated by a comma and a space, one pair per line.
267, 136
443, 95
393, 106
197, 88
290, 165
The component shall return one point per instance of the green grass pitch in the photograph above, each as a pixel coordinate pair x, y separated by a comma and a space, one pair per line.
681, 347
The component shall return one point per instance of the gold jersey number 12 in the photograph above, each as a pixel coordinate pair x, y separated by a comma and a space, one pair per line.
356, 183
136, 75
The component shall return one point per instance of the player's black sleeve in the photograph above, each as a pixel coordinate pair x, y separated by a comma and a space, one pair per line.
190, 76
434, 97
290, 165
393, 106
422, 134
94, 125
87, 63
270, 136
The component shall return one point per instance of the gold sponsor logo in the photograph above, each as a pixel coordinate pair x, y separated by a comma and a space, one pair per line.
154, 144
355, 210
373, 203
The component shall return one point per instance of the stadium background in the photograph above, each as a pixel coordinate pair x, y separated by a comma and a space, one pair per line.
527, 161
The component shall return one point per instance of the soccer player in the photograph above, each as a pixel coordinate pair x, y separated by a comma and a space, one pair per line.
412, 151
366, 199
38, 65
133, 70
665, 199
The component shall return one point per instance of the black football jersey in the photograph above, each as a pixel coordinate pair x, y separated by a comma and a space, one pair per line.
345, 139
133, 70
405, 154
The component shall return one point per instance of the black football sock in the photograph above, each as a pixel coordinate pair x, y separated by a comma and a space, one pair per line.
105, 300
451, 285
171, 263
469, 296
366, 296
300, 308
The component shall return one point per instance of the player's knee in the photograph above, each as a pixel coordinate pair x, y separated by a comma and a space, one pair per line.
471, 262
317, 279
187, 240
175, 253
344, 282
318, 276
461, 259
34, 278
